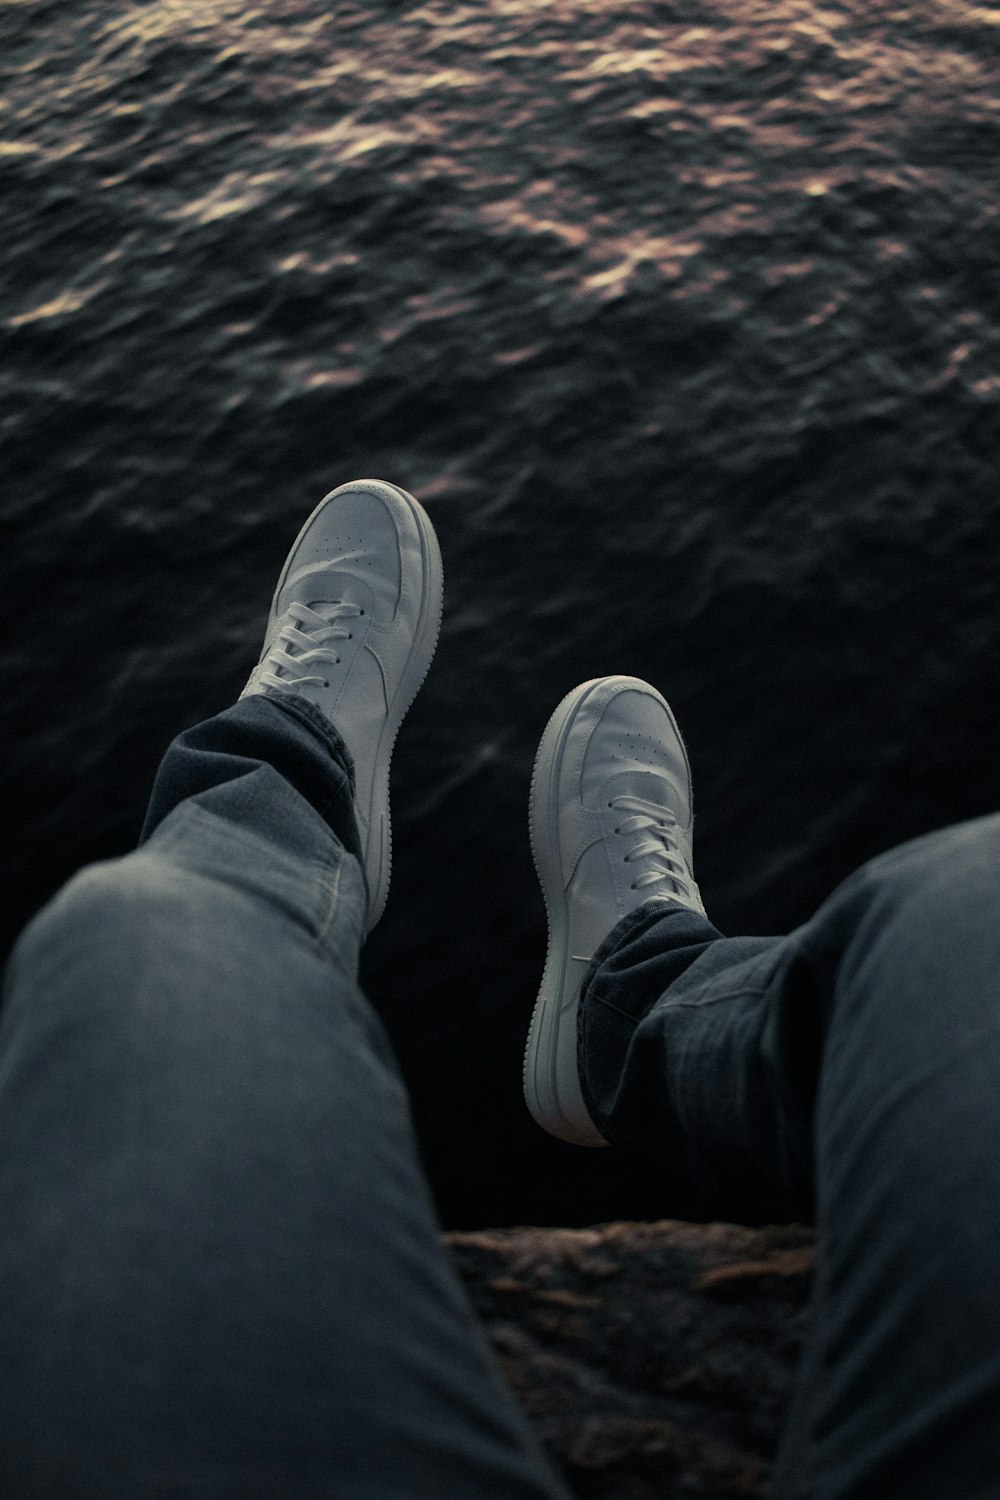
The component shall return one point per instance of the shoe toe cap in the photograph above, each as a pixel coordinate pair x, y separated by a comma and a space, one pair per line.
632, 736
352, 543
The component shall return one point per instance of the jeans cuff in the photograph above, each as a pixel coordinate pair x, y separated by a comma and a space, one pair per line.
653, 910
615, 1020
314, 718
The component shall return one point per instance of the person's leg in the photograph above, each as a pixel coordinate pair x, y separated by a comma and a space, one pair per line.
848, 1074
221, 1274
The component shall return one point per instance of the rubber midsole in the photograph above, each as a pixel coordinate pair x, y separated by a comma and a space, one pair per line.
551, 1081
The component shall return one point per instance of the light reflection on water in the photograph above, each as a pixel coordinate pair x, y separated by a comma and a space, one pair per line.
755, 102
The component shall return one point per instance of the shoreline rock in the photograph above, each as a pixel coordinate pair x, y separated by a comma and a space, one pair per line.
653, 1359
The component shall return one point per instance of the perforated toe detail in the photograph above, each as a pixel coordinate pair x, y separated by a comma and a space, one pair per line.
635, 733
360, 531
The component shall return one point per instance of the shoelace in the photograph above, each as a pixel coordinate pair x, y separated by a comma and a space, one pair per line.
647, 816
658, 822
309, 630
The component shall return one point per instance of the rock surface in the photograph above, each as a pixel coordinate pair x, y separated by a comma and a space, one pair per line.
654, 1359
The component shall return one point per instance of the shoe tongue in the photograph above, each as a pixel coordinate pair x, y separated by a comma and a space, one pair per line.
652, 786
324, 607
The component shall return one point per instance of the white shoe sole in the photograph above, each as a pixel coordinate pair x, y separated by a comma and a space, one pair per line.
417, 666
550, 1075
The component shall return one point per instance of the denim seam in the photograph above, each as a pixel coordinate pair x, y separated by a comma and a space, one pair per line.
329, 804
592, 997
597, 1115
334, 891
755, 991
324, 866
598, 999
231, 831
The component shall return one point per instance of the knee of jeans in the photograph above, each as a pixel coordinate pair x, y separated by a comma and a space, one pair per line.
955, 868
115, 895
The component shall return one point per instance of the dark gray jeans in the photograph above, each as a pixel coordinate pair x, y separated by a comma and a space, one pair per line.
220, 1270
849, 1076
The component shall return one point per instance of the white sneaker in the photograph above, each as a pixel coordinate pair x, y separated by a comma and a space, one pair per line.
353, 627
611, 826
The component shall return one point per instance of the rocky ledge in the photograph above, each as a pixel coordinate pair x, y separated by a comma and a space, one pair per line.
655, 1359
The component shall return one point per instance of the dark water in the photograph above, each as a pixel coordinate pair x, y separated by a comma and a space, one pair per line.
683, 320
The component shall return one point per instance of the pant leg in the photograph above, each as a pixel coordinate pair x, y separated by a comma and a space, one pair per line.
849, 1075
221, 1274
